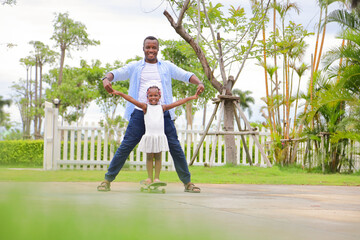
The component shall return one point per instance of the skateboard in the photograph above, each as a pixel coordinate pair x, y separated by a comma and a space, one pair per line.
155, 187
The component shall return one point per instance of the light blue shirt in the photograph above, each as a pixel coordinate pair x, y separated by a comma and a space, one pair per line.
167, 72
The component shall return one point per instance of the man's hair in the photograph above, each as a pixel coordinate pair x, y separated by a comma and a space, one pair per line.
150, 38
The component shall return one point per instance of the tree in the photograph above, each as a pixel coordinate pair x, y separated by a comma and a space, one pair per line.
316, 57
109, 103
42, 55
182, 55
219, 52
8, 2
4, 117
286, 43
24, 96
339, 104
245, 99
333, 120
75, 93
69, 35
300, 72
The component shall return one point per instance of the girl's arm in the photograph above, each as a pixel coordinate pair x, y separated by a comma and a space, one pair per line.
179, 102
141, 105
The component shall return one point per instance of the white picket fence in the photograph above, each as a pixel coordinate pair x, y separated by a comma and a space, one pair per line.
91, 147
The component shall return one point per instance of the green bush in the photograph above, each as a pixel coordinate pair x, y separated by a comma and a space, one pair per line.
22, 152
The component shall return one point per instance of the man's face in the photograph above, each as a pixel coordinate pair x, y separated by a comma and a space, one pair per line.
151, 48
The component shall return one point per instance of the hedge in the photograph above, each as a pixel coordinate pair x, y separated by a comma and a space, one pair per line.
26, 152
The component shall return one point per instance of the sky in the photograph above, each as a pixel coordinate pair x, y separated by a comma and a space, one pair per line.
120, 26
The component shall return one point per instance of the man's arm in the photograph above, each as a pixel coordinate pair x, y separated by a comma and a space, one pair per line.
195, 80
179, 102
131, 99
185, 76
119, 74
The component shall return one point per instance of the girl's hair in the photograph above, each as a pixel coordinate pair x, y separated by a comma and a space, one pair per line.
156, 87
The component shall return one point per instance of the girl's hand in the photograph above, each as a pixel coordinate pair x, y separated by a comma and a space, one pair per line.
115, 92
196, 96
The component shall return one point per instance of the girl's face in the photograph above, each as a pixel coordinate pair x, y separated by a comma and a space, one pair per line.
153, 96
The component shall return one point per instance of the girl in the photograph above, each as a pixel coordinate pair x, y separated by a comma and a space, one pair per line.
154, 141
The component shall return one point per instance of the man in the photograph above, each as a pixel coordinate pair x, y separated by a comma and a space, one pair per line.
142, 74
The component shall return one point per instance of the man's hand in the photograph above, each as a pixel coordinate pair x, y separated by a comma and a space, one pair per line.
107, 85
195, 80
200, 88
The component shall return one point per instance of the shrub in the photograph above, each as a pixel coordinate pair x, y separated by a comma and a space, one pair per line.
26, 152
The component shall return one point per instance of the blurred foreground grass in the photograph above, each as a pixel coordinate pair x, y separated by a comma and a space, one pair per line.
39, 215
216, 175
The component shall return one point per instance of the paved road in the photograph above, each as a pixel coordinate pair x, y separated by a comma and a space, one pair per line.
238, 211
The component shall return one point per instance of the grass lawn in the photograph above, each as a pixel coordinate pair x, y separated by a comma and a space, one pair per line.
216, 175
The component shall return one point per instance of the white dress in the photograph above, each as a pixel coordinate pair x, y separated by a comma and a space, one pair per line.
154, 140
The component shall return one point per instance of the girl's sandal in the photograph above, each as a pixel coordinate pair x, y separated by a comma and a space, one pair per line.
190, 187
104, 187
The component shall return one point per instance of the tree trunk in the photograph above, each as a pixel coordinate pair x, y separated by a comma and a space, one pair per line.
322, 40
230, 147
189, 117
30, 104
40, 101
36, 101
27, 120
62, 60
277, 109
189, 120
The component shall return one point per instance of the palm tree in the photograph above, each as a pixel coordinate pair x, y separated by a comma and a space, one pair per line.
350, 71
245, 99
324, 5
300, 72
328, 107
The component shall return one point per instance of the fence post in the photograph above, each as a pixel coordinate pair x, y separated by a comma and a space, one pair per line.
57, 139
48, 136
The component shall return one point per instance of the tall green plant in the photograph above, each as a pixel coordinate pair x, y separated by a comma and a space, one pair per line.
336, 100
286, 43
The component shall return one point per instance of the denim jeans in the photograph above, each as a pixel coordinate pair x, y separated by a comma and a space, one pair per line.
135, 130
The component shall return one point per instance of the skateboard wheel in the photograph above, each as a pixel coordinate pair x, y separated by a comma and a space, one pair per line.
149, 190
163, 190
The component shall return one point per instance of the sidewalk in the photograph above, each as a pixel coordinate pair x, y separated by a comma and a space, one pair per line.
239, 211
